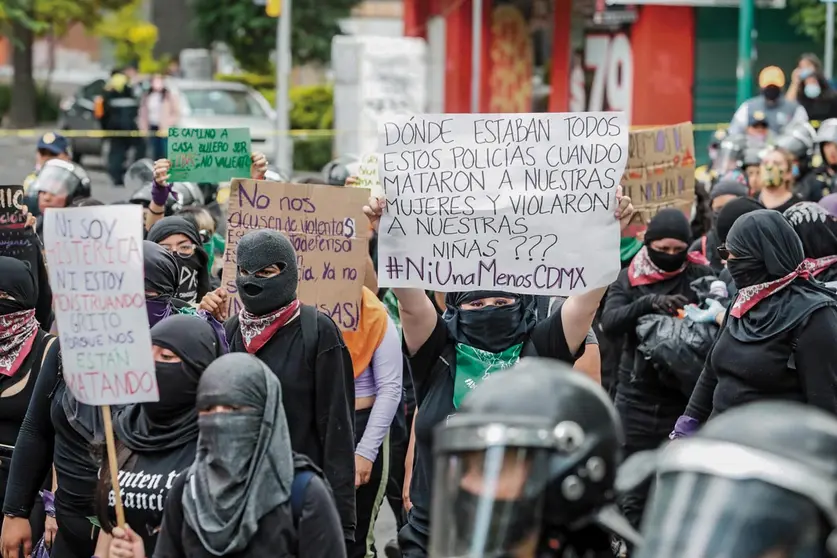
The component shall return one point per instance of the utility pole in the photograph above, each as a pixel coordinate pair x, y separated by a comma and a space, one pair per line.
744, 71
284, 147
829, 38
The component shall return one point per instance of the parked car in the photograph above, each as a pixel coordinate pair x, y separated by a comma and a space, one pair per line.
203, 104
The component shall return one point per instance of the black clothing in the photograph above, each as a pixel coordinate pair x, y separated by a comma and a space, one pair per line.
193, 281
590, 541
318, 394
433, 373
816, 228
319, 528
121, 109
822, 107
367, 495
257, 250
491, 328
794, 199
731, 212
707, 246
646, 398
816, 184
145, 483
47, 437
766, 248
739, 372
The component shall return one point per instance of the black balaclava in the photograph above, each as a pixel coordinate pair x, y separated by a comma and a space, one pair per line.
193, 281
726, 187
816, 229
668, 223
173, 420
17, 281
764, 247
161, 273
244, 467
258, 250
731, 212
493, 328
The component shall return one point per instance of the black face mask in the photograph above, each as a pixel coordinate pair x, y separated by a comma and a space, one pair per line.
187, 289
8, 306
178, 392
263, 295
511, 520
493, 328
771, 92
746, 272
667, 262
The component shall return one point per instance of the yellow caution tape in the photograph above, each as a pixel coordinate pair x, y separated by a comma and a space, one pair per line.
302, 134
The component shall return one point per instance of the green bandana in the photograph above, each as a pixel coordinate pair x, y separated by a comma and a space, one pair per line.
391, 303
628, 248
474, 365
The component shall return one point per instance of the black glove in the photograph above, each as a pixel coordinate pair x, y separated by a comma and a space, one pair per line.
668, 304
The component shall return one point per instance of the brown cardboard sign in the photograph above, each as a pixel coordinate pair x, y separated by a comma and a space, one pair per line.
661, 170
328, 230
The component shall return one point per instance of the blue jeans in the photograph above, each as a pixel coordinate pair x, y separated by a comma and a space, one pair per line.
158, 144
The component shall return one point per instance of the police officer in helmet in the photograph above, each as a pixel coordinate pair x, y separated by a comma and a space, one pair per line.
59, 183
823, 178
336, 172
526, 467
758, 481
798, 140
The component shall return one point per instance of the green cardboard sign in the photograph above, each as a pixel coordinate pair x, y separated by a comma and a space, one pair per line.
208, 154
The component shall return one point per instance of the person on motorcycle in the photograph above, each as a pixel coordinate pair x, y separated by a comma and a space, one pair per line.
60, 183
821, 181
777, 111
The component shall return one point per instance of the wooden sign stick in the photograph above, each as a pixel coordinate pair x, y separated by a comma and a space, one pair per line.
113, 466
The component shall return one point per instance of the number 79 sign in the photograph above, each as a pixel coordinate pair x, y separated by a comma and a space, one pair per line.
611, 60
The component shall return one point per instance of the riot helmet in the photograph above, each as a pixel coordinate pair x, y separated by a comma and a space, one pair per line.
827, 132
759, 481
59, 178
729, 154
715, 142
186, 194
751, 157
140, 173
798, 140
338, 171
531, 451
276, 174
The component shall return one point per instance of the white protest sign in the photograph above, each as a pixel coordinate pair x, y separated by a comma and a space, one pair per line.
367, 174
520, 203
95, 262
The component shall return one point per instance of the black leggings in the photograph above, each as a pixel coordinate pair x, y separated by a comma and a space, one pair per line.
76, 537
368, 497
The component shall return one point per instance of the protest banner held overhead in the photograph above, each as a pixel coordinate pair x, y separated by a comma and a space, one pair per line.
521, 203
208, 154
16, 240
660, 172
329, 233
95, 263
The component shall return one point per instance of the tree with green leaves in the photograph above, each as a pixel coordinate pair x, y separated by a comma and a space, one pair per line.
23, 21
251, 34
809, 18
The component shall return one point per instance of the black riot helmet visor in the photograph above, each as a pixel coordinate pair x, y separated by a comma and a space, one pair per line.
716, 499
493, 477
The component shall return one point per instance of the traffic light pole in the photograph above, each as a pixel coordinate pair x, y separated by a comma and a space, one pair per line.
744, 71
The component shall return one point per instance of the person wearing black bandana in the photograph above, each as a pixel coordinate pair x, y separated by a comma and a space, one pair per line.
726, 218
247, 494
23, 344
480, 333
181, 238
818, 232
305, 350
721, 194
656, 282
777, 341
158, 441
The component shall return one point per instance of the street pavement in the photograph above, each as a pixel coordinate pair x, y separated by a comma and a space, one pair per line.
17, 160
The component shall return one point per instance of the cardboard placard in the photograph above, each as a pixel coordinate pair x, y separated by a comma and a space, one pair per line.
208, 154
661, 171
328, 230
16, 240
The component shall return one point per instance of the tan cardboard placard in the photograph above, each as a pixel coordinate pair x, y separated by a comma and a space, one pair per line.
328, 230
661, 170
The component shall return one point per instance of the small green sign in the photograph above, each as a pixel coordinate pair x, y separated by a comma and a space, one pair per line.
208, 154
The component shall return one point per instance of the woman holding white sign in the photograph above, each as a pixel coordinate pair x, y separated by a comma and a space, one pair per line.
481, 332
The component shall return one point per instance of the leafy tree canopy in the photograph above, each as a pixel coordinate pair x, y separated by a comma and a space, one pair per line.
251, 34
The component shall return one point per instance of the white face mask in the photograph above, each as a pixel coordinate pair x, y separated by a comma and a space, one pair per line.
812, 90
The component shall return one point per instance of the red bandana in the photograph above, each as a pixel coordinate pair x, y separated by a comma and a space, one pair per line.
752, 295
643, 271
257, 330
17, 333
